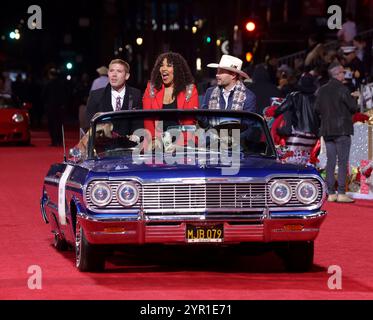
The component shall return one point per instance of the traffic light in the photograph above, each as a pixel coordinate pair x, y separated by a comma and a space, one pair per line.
249, 56
69, 65
250, 26
208, 39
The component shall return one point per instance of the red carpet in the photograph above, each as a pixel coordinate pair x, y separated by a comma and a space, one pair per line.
345, 240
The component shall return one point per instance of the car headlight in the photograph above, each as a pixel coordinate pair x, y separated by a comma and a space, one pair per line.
17, 118
306, 192
280, 192
101, 194
127, 194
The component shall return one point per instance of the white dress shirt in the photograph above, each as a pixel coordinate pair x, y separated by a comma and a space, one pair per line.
226, 94
114, 96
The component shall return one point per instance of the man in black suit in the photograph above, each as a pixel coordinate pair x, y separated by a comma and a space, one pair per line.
116, 95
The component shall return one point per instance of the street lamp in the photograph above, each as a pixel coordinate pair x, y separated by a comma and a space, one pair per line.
15, 34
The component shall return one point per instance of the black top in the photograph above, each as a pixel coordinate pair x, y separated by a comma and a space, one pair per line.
169, 106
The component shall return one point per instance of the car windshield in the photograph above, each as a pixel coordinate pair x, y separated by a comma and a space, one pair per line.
179, 134
6, 102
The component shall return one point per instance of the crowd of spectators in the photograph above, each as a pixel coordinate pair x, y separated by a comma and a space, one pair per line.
273, 78
278, 78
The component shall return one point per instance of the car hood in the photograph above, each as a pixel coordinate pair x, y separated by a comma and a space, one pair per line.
251, 167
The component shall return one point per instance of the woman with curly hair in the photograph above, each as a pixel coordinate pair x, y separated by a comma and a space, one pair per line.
171, 87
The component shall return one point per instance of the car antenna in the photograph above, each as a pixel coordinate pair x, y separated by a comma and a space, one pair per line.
81, 133
63, 144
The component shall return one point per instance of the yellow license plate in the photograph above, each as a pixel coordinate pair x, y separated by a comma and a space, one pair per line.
204, 233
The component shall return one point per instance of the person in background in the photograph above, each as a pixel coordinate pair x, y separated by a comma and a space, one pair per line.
102, 80
230, 93
287, 81
263, 89
335, 107
348, 31
81, 93
314, 53
19, 88
304, 122
363, 53
354, 68
54, 97
271, 64
5, 88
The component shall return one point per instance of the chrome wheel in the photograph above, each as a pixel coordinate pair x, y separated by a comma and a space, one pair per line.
88, 257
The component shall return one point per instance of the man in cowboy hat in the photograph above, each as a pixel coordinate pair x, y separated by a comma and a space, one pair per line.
230, 92
354, 68
102, 80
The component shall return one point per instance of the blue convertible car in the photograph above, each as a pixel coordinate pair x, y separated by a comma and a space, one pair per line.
187, 178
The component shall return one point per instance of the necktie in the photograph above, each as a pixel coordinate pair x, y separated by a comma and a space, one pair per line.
118, 105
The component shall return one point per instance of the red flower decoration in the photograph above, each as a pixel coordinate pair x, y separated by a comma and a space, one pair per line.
368, 172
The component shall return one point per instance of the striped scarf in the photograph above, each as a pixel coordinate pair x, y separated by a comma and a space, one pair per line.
239, 97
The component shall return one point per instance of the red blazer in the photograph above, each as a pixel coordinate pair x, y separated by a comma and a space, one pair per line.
154, 101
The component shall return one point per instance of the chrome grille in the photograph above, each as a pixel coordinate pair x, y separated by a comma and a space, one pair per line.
202, 196
215, 196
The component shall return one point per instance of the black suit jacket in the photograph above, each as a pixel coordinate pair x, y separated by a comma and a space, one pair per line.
100, 101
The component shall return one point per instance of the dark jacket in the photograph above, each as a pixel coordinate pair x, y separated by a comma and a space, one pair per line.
301, 106
335, 107
263, 89
248, 105
100, 101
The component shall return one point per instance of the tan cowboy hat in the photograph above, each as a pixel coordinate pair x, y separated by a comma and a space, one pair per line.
102, 71
230, 63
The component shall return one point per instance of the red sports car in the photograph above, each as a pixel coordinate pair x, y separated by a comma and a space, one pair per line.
14, 121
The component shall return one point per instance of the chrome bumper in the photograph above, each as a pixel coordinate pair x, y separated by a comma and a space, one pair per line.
140, 229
